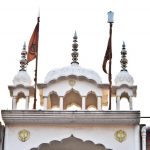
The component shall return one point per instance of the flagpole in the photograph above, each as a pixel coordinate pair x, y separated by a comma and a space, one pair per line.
110, 21
36, 66
110, 75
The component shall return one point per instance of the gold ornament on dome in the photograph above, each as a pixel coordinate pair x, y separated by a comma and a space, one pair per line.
120, 136
72, 82
23, 135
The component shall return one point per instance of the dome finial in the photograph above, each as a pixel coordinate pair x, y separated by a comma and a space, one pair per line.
74, 54
123, 45
75, 35
23, 61
123, 60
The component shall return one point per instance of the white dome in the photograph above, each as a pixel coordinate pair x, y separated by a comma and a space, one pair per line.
75, 70
22, 78
124, 77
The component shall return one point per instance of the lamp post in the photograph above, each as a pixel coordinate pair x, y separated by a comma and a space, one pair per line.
110, 21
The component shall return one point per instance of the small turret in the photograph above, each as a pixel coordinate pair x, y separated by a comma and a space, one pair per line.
124, 82
123, 76
21, 83
22, 78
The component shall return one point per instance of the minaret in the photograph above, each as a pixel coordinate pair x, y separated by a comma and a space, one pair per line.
124, 82
21, 83
75, 54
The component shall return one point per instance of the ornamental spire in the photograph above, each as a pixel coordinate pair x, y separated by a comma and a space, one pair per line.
123, 60
23, 61
74, 54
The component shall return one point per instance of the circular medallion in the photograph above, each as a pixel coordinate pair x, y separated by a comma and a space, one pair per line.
23, 135
120, 135
72, 82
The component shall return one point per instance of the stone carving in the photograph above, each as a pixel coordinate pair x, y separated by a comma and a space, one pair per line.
23, 135
120, 135
71, 143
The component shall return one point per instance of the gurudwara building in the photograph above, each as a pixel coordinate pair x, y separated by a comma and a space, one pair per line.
72, 114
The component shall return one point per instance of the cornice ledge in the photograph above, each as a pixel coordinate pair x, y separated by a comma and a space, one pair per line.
70, 117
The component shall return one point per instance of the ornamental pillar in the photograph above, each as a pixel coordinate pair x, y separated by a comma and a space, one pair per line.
45, 102
99, 102
130, 103
14, 103
118, 103
83, 104
143, 133
61, 103
27, 103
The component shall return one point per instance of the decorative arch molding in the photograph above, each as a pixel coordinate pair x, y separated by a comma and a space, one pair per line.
124, 92
91, 92
124, 95
70, 143
53, 92
72, 90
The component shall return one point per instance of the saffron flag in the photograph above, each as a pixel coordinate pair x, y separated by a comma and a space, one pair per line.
33, 44
108, 54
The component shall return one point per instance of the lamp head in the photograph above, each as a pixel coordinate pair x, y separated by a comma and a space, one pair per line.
110, 17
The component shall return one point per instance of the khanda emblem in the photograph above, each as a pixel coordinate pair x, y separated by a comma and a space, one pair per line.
33, 49
32, 53
23, 135
120, 135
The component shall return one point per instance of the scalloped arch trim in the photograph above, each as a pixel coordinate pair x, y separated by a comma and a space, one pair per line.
70, 143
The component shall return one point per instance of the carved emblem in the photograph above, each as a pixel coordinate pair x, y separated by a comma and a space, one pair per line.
23, 135
120, 135
72, 82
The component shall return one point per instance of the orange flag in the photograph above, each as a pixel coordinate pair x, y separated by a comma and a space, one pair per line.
33, 44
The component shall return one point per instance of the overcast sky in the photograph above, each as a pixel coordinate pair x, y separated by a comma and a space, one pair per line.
59, 19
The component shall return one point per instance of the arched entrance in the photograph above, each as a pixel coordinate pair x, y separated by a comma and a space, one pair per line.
70, 143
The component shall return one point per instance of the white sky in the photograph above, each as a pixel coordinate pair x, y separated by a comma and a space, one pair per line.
59, 20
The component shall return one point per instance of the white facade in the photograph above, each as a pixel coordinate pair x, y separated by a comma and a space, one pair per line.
97, 134
98, 127
72, 100
115, 130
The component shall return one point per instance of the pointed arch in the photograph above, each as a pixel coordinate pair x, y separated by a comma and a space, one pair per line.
53, 100
20, 100
91, 101
72, 98
20, 95
125, 94
124, 101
